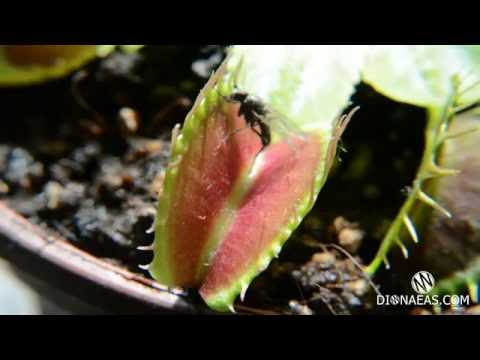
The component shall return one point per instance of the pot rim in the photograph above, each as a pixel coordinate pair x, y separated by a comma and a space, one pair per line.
56, 250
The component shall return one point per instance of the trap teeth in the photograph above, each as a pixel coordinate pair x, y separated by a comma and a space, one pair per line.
402, 248
411, 228
386, 263
276, 250
243, 291
429, 201
150, 230
202, 110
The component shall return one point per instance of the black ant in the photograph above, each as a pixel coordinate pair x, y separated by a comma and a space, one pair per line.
253, 110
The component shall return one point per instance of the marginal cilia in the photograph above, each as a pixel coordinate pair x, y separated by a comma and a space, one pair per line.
436, 133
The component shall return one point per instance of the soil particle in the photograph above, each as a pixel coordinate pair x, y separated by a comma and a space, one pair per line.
348, 234
57, 197
129, 121
104, 203
296, 308
79, 165
18, 169
333, 280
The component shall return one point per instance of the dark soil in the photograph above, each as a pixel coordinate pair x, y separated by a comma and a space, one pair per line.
84, 156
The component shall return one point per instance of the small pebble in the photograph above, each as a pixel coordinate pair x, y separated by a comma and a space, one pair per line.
129, 120
298, 309
358, 287
326, 259
350, 239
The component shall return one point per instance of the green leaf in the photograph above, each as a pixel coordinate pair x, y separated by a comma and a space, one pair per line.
442, 79
422, 74
22, 65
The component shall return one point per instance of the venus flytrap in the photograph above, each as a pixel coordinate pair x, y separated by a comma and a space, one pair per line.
466, 279
444, 80
437, 126
228, 203
22, 65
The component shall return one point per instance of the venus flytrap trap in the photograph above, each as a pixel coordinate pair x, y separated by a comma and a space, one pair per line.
22, 65
444, 80
233, 194
258, 145
459, 281
437, 126
451, 248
